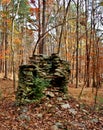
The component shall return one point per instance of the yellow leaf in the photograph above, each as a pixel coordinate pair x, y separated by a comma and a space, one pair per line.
101, 3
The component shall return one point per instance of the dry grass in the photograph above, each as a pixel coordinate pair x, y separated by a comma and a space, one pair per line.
6, 89
10, 76
88, 94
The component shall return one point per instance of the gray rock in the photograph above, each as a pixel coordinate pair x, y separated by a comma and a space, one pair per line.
49, 105
50, 94
76, 124
24, 125
59, 99
59, 124
40, 115
24, 109
65, 106
73, 111
24, 117
85, 111
95, 120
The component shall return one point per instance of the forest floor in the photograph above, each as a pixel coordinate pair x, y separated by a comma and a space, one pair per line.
56, 112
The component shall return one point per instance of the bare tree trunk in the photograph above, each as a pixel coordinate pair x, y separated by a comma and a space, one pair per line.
77, 45
12, 50
6, 46
41, 44
39, 22
64, 20
94, 42
87, 46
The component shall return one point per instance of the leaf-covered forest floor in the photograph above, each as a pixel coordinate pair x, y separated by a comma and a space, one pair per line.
54, 112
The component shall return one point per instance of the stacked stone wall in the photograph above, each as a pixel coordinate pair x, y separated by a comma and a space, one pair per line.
50, 70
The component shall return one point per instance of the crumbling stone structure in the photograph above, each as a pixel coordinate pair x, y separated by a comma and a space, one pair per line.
51, 72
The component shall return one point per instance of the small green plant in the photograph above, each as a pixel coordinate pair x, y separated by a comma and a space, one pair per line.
39, 86
34, 93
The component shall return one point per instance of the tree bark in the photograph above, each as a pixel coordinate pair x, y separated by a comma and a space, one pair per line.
41, 44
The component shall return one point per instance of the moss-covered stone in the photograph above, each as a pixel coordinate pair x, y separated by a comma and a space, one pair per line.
42, 70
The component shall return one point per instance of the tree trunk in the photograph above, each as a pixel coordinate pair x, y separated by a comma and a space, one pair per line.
6, 47
77, 45
41, 44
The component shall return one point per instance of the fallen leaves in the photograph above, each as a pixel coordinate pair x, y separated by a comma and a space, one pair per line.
58, 112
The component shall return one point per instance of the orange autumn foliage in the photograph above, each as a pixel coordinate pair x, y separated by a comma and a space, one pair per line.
3, 15
17, 41
7, 51
1, 56
34, 10
6, 1
3, 53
